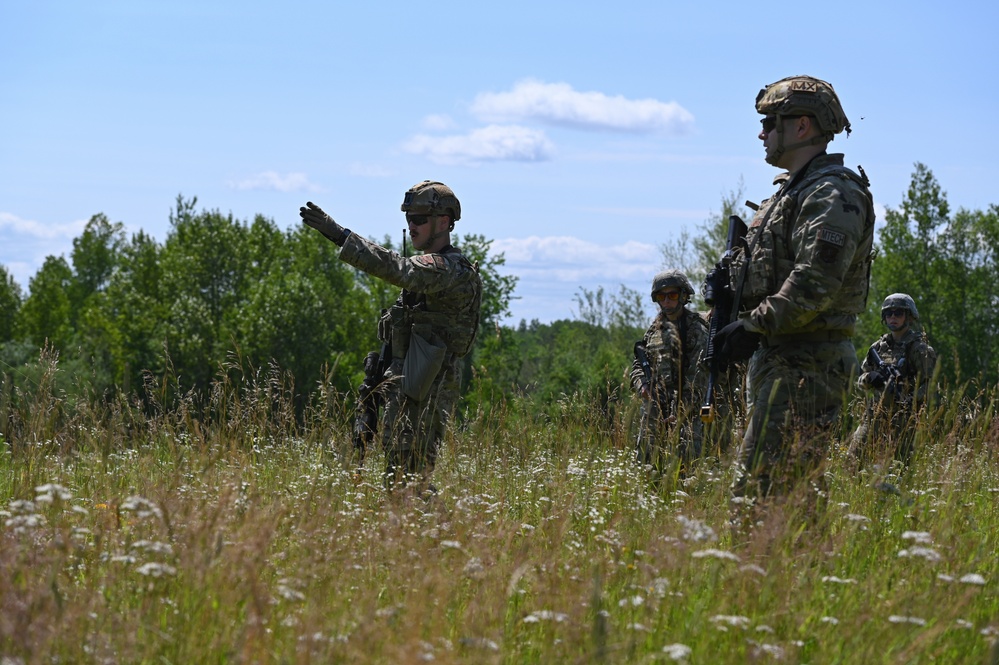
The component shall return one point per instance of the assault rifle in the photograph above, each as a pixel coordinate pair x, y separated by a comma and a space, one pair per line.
369, 400
891, 372
719, 296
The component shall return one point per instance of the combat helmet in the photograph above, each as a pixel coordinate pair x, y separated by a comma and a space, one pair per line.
804, 95
673, 278
432, 198
900, 301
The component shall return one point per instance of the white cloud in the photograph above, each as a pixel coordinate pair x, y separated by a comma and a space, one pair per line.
568, 259
494, 143
559, 104
439, 123
32, 229
271, 180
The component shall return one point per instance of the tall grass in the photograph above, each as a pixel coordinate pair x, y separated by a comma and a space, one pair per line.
150, 535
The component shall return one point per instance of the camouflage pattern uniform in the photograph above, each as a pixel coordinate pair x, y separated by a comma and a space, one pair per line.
890, 409
674, 351
801, 281
440, 299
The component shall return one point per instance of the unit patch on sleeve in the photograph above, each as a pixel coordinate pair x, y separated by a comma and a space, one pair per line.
831, 237
433, 261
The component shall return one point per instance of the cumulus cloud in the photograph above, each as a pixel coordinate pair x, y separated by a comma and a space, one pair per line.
569, 259
439, 123
553, 269
271, 180
559, 104
11, 224
489, 144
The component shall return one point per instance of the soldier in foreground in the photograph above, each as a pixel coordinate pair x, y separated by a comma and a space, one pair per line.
798, 285
665, 373
430, 327
896, 377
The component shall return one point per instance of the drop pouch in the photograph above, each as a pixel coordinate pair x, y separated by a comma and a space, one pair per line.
422, 364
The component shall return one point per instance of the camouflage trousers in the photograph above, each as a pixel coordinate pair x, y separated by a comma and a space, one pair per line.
796, 393
661, 442
884, 434
412, 431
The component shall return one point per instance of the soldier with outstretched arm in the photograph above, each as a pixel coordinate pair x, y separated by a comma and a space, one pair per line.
431, 326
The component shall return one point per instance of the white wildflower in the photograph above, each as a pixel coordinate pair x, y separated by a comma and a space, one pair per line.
677, 651
50, 492
23, 523
634, 601
479, 643
923, 552
142, 507
289, 593
973, 578
637, 627
764, 628
21, 507
450, 545
545, 615
853, 517
770, 649
153, 569
733, 620
696, 530
153, 547
962, 623
753, 568
895, 618
837, 580
945, 578
474, 568
921, 537
717, 554
833, 620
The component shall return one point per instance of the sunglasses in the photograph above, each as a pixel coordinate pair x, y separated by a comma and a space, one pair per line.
417, 220
770, 122
897, 312
662, 296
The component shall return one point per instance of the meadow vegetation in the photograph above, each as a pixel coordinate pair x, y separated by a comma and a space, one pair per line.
138, 533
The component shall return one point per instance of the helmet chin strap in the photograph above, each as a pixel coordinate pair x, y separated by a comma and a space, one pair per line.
781, 148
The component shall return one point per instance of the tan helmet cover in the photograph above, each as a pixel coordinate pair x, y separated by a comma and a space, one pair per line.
432, 198
804, 95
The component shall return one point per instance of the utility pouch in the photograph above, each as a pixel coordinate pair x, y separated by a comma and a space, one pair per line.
423, 362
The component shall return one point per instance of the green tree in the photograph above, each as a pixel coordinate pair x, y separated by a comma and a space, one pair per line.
46, 314
10, 302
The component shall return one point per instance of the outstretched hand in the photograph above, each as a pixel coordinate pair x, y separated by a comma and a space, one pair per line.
315, 217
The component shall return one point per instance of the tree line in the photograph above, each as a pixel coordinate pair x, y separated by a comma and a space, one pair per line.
130, 314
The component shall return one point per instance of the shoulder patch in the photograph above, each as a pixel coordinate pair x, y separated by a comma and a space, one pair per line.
831, 237
432, 261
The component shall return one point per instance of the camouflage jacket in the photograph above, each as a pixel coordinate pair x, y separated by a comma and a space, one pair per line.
807, 266
914, 358
441, 291
674, 351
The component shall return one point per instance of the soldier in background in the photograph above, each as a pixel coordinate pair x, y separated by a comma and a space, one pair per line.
798, 287
430, 327
897, 386
671, 386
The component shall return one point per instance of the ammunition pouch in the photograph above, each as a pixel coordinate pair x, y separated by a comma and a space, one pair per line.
423, 362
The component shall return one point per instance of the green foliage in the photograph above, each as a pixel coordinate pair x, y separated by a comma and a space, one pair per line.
947, 264
10, 303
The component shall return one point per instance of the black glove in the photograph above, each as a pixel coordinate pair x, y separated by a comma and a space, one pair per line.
877, 379
734, 343
314, 216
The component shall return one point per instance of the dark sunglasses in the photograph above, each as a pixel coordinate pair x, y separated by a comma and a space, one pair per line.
417, 220
770, 122
897, 311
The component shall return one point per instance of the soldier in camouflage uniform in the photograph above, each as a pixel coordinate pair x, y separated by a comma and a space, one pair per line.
673, 344
799, 284
430, 327
897, 389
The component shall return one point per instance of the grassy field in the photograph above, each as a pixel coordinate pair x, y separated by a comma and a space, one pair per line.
242, 537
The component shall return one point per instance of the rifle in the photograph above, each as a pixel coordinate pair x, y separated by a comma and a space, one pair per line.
369, 400
892, 372
642, 357
718, 295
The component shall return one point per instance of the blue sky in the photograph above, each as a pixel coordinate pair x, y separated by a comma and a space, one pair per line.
578, 136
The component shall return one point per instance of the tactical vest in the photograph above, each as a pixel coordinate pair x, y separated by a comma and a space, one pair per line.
433, 315
762, 270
